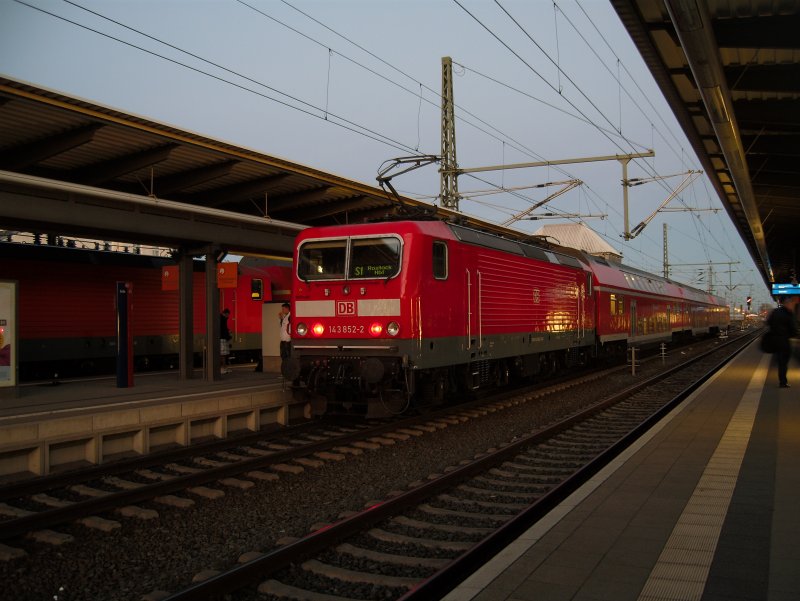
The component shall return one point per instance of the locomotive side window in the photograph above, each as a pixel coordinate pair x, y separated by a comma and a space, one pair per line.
322, 260
374, 257
440, 260
256, 289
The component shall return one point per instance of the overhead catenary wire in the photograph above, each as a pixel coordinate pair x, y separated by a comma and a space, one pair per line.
527, 64
343, 123
592, 196
374, 55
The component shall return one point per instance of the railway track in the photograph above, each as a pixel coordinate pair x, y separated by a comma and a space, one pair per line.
420, 544
82, 495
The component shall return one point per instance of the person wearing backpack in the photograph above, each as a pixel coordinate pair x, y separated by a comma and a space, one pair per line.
783, 326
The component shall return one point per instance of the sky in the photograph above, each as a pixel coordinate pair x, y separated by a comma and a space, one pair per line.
345, 85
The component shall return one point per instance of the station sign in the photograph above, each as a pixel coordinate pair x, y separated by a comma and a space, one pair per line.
785, 289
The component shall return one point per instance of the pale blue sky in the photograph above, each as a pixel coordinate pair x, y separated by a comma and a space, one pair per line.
265, 51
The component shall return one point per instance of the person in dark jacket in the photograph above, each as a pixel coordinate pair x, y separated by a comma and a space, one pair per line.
224, 341
783, 326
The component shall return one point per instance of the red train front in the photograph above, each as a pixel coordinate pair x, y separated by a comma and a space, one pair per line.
389, 310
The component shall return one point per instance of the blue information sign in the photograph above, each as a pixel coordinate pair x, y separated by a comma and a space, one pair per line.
785, 289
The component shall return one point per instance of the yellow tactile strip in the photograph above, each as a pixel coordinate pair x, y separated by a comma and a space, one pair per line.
681, 571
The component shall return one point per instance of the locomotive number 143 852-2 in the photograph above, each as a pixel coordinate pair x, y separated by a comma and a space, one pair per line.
346, 329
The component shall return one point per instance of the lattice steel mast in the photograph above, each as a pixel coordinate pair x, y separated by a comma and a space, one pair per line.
448, 171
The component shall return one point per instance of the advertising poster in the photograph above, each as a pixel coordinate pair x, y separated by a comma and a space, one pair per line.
8, 334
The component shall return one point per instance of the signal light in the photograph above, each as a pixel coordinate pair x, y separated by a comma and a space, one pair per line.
318, 329
376, 329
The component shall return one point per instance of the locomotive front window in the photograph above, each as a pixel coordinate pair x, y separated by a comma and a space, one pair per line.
322, 260
374, 258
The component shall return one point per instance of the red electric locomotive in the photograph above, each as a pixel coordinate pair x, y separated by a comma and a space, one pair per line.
387, 312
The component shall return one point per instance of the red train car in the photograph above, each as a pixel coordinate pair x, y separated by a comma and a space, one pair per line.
420, 308
67, 315
639, 308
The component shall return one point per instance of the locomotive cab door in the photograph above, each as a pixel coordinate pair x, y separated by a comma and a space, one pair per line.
472, 310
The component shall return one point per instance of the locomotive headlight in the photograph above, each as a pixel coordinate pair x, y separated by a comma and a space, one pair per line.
393, 328
376, 329
318, 329
301, 329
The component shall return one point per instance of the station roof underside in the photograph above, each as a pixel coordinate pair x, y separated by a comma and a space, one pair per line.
730, 70
71, 167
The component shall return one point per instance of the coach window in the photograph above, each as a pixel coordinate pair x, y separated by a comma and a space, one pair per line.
374, 257
617, 306
440, 260
322, 260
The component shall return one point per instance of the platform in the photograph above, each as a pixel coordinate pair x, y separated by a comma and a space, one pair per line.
54, 426
704, 507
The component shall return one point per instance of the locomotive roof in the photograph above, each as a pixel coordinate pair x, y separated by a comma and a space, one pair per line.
462, 233
477, 237
605, 272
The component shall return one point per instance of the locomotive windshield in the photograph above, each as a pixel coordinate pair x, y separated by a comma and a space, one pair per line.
322, 260
359, 258
374, 258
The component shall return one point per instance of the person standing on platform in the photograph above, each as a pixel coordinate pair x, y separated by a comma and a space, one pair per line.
782, 327
224, 341
286, 331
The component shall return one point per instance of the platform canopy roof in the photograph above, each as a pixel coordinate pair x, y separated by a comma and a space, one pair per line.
730, 70
72, 167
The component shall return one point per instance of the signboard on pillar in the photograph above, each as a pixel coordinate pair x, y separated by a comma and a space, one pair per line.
227, 275
8, 333
170, 277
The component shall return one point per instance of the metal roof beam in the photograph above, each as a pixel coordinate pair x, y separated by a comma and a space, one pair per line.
781, 113
105, 171
295, 201
778, 32
780, 144
311, 214
768, 164
254, 189
693, 26
25, 155
764, 78
168, 184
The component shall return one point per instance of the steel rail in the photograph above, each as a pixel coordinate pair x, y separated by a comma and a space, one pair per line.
316, 542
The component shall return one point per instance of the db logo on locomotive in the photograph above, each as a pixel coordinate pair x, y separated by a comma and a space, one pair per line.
345, 307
